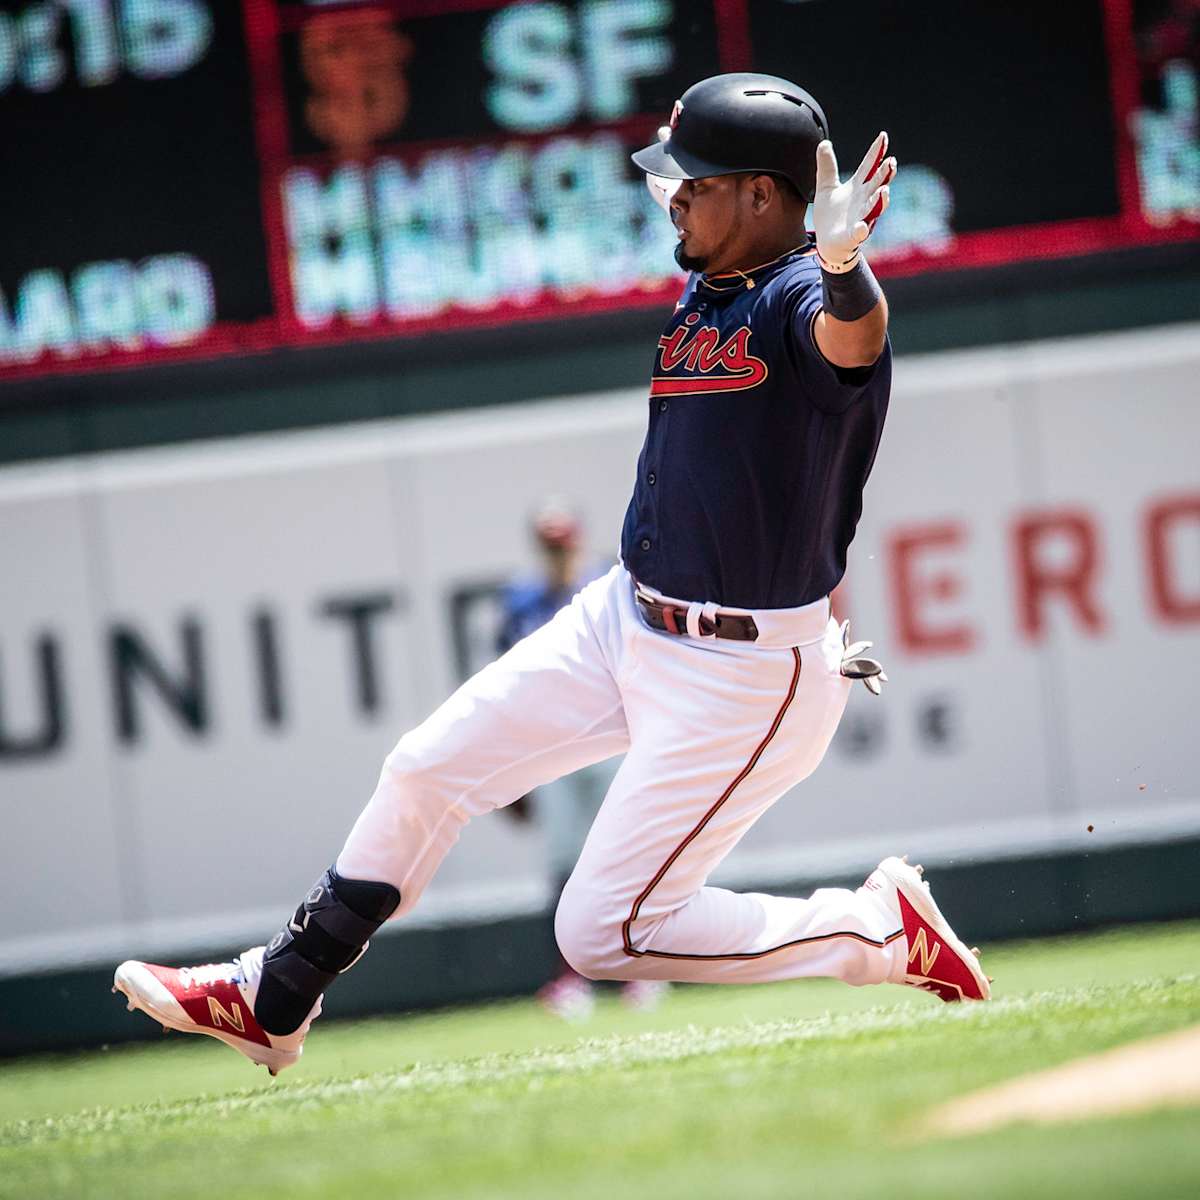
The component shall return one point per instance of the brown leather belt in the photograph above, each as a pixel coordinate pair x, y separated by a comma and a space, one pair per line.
672, 618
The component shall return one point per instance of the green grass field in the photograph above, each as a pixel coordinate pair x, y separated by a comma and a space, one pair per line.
807, 1089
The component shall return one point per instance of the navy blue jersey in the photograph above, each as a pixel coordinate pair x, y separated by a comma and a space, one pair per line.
749, 484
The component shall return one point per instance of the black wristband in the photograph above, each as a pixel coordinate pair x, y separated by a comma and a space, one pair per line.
851, 294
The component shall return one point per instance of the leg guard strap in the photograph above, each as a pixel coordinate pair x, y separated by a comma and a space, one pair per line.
327, 935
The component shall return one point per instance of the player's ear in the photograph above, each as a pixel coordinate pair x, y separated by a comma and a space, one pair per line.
763, 189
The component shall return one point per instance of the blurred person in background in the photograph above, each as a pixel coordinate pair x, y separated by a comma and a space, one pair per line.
564, 808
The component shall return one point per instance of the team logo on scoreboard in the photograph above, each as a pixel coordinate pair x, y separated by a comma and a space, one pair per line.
705, 363
353, 62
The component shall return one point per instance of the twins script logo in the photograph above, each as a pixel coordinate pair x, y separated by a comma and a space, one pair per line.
711, 365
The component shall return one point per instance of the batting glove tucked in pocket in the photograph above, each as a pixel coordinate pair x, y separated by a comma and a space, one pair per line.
856, 666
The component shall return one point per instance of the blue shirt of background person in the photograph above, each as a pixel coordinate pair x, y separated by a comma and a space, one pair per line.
529, 602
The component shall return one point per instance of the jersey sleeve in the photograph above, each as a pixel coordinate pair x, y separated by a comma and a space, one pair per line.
830, 388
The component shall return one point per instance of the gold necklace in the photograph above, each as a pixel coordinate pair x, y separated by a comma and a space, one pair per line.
745, 276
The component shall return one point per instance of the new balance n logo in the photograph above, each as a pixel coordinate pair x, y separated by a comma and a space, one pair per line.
218, 1012
920, 946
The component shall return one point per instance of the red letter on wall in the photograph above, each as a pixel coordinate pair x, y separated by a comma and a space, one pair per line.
915, 591
1168, 599
1056, 555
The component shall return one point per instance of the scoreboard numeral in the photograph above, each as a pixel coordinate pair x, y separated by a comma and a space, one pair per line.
152, 39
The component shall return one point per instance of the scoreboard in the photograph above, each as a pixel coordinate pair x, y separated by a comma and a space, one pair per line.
185, 178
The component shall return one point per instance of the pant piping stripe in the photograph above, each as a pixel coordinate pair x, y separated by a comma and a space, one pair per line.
752, 954
627, 928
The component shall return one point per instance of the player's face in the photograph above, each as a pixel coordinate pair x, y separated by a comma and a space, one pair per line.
710, 222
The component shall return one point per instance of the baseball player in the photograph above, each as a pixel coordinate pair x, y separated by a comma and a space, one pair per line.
564, 808
707, 655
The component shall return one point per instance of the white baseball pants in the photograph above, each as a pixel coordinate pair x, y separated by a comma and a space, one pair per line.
713, 730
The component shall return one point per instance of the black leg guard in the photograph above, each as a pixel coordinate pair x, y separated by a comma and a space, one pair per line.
326, 936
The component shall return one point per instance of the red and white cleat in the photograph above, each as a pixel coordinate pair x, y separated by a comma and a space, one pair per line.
937, 961
216, 999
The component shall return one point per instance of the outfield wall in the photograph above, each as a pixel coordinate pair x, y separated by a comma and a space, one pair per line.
206, 651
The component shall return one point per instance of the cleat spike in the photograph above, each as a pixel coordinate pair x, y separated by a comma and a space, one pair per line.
129, 1007
975, 951
904, 858
920, 870
990, 979
272, 1073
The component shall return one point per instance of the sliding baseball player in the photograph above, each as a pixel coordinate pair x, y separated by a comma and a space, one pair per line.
707, 656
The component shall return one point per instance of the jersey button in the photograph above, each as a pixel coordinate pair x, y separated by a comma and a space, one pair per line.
651, 478
663, 406
645, 543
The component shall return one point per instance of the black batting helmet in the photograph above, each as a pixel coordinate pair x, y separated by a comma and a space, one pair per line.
741, 122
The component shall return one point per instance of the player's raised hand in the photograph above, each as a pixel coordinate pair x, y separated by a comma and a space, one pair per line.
845, 213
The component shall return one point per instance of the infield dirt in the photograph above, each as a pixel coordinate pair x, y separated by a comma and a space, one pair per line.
1160, 1072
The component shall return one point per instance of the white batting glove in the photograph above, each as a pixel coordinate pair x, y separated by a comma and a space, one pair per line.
845, 213
856, 665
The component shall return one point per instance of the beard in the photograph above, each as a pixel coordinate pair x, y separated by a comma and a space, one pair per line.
688, 262
694, 262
